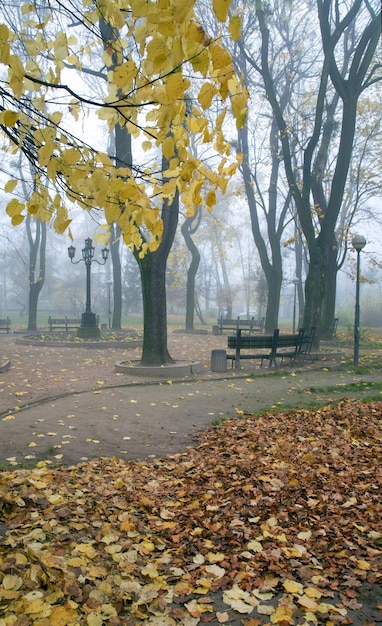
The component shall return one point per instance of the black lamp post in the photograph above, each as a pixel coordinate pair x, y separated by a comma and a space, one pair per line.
358, 243
89, 327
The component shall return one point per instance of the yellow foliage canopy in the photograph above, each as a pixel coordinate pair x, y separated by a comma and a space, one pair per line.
147, 93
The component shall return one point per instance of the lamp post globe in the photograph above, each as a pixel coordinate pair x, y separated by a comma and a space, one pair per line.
358, 243
89, 328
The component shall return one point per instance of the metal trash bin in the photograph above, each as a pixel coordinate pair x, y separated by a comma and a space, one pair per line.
218, 360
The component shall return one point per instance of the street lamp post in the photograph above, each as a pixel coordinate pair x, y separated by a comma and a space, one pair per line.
109, 284
296, 282
89, 327
358, 243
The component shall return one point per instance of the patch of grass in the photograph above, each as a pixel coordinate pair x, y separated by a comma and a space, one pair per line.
347, 387
220, 420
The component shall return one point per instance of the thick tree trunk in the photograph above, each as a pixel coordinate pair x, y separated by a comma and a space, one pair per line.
315, 285
187, 230
153, 274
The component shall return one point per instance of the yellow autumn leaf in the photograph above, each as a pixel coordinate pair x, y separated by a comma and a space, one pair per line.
168, 148
220, 58
240, 600
87, 549
150, 570
183, 588
62, 615
255, 546
4, 45
61, 46
206, 94
222, 617
199, 558
308, 458
213, 557
313, 592
305, 535
38, 606
221, 8
9, 118
147, 546
55, 498
71, 156
13, 209
11, 581
307, 603
234, 27
363, 565
123, 75
10, 186
94, 619
291, 586
176, 85
76, 561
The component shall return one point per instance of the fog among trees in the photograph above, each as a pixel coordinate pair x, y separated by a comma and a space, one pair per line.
219, 153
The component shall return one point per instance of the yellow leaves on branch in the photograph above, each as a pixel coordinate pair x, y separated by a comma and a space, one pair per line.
148, 93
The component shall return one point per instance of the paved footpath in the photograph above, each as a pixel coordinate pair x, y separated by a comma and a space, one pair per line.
148, 420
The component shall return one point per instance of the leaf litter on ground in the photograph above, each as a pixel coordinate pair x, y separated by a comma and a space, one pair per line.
281, 514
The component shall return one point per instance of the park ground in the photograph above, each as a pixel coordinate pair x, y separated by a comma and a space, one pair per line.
241, 498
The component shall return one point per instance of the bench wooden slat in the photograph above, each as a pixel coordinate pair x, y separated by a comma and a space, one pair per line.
276, 346
267, 343
256, 326
63, 323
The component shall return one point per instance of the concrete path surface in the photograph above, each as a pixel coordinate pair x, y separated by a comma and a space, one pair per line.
154, 419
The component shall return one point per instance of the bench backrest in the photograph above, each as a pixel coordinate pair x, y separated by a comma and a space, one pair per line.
291, 341
241, 323
63, 320
252, 342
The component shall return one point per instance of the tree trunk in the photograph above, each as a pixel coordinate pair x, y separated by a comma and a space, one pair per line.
349, 76
37, 248
271, 262
117, 281
123, 160
152, 267
153, 275
187, 230
329, 303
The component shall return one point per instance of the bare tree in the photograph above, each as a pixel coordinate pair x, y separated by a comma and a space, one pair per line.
309, 136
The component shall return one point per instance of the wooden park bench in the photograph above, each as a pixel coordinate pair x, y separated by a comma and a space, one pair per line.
63, 323
238, 323
269, 347
5, 325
